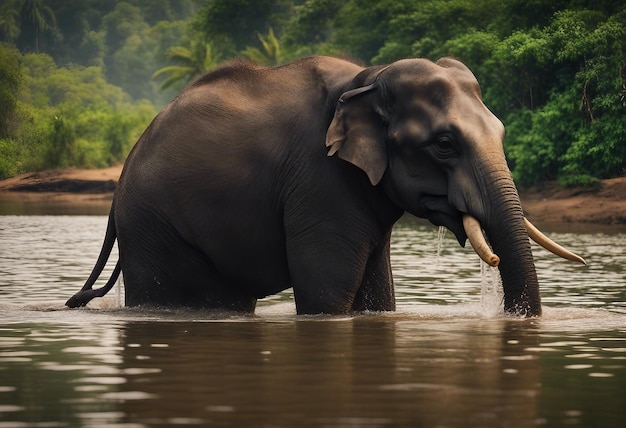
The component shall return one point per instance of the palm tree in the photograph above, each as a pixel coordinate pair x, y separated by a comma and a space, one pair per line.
41, 16
192, 61
10, 19
270, 55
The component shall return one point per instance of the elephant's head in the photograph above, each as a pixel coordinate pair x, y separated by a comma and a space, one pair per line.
421, 131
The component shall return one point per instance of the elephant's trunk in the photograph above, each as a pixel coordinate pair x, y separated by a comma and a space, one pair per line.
506, 231
499, 211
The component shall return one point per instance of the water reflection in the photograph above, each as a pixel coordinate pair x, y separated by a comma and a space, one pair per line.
444, 359
369, 370
361, 371
41, 365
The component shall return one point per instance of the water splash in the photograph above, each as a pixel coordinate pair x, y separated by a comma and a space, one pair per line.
114, 299
119, 291
491, 292
441, 234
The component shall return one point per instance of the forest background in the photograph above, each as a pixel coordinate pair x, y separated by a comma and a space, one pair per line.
81, 79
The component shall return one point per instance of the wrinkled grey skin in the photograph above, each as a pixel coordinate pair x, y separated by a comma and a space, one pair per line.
256, 179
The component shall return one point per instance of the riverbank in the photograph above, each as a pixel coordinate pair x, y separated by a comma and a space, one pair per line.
602, 208
569, 209
67, 191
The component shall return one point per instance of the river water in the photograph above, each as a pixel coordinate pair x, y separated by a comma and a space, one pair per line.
448, 357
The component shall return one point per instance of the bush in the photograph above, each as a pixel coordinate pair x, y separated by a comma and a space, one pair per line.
61, 147
10, 162
10, 79
584, 180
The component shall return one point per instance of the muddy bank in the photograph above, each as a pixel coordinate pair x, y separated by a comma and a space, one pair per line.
603, 206
63, 192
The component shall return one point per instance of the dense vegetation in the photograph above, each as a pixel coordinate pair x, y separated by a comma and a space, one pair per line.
80, 79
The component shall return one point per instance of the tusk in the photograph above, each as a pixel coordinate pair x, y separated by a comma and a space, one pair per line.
477, 239
541, 239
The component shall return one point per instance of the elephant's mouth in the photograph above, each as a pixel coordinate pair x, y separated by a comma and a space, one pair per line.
464, 226
439, 212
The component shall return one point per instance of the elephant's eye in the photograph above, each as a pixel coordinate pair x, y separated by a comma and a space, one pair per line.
444, 148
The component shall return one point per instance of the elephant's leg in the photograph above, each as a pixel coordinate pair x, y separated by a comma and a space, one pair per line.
376, 292
325, 275
161, 269
181, 283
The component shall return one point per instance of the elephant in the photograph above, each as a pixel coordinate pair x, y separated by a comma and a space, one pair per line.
253, 180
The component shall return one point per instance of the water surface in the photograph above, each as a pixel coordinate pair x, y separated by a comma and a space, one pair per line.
447, 357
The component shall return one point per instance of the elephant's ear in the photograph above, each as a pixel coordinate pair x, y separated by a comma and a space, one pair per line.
356, 134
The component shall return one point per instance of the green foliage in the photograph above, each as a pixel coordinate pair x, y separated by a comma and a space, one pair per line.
537, 139
191, 61
128, 39
234, 24
68, 116
581, 118
269, 55
32, 14
61, 148
29, 141
553, 70
9, 20
132, 46
361, 26
311, 24
10, 158
9, 85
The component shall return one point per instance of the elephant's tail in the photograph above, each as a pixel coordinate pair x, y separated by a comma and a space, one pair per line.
86, 293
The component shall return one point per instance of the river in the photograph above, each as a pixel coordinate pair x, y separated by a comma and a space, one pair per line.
448, 357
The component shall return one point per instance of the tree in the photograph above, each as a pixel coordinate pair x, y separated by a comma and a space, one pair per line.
191, 61
120, 24
10, 79
422, 29
574, 132
270, 55
14, 14
310, 27
68, 116
62, 149
234, 24
596, 44
361, 27
42, 17
10, 20
135, 50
